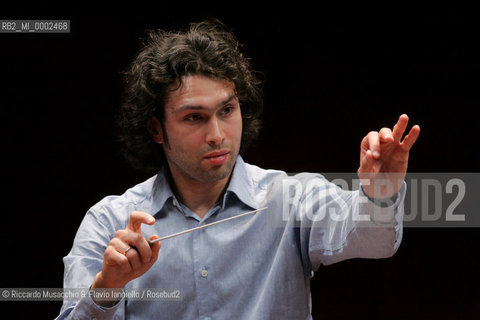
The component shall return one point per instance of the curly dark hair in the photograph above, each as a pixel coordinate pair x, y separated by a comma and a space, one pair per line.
205, 48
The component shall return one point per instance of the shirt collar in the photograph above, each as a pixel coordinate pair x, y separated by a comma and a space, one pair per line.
161, 191
240, 184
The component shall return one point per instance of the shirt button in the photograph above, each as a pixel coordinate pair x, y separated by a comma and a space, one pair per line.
204, 273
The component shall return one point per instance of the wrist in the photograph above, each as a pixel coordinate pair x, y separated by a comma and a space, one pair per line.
103, 293
102, 283
106, 298
384, 201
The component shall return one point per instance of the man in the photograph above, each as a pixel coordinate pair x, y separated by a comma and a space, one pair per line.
191, 106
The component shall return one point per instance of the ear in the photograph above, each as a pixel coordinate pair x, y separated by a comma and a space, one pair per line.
154, 127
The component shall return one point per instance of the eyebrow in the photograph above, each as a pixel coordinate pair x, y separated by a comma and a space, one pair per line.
190, 107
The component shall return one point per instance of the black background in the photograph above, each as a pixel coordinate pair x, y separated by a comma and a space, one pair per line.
331, 75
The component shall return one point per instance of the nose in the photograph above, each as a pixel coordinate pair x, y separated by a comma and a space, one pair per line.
215, 133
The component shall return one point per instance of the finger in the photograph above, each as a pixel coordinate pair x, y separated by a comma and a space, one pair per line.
386, 135
137, 218
411, 137
374, 144
118, 244
134, 259
137, 241
400, 127
113, 257
368, 164
122, 245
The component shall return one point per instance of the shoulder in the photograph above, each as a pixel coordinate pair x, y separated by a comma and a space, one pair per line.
261, 177
116, 209
135, 195
266, 177
272, 186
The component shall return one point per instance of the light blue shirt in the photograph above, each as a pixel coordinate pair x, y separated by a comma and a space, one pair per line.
255, 267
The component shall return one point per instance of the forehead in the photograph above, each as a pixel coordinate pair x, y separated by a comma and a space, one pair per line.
198, 90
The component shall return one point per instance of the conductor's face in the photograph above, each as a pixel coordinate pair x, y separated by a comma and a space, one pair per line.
203, 124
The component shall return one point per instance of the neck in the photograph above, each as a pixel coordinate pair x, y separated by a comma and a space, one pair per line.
196, 195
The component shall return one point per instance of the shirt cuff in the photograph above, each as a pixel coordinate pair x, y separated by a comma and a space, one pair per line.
382, 211
86, 308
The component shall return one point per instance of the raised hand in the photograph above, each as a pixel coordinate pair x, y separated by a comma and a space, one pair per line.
384, 158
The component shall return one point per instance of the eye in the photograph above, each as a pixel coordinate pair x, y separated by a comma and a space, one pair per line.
193, 117
227, 110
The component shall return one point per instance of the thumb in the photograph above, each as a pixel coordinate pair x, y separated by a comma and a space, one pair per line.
155, 248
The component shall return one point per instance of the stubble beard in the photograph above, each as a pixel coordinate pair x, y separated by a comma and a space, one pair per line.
199, 172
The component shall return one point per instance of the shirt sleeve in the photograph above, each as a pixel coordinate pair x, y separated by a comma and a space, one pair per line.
83, 263
338, 224
86, 308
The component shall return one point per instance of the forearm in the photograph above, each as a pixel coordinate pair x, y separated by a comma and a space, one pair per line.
370, 231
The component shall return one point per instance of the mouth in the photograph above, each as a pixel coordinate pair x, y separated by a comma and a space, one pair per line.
217, 157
